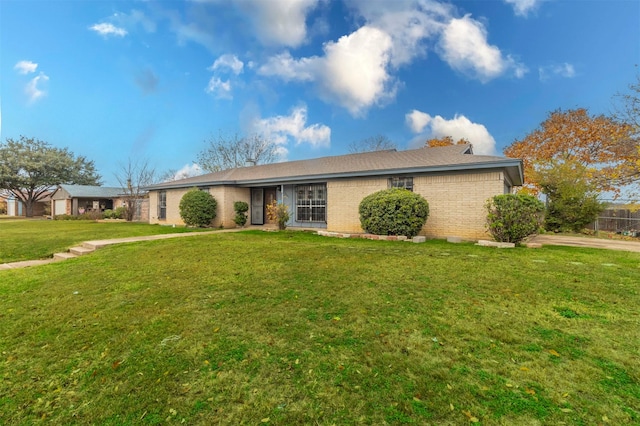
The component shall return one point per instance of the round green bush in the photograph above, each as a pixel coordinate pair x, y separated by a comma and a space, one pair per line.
241, 209
119, 212
198, 208
393, 211
513, 217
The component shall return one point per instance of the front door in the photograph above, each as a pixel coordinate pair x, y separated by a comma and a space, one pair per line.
269, 197
257, 206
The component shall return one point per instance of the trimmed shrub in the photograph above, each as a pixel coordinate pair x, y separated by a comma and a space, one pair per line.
65, 217
92, 215
241, 209
119, 212
394, 211
108, 214
513, 217
198, 208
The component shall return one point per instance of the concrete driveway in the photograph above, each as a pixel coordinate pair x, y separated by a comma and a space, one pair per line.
562, 240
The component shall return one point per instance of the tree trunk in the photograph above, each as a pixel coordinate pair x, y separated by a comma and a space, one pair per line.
28, 204
129, 210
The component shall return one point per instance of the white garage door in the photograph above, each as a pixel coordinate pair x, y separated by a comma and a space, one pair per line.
60, 207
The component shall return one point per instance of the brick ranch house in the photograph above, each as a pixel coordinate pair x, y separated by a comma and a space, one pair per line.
78, 199
325, 192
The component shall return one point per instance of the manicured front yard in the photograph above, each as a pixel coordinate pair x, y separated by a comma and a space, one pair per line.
22, 239
292, 328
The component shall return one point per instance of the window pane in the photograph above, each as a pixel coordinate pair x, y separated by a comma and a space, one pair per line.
162, 205
401, 182
311, 203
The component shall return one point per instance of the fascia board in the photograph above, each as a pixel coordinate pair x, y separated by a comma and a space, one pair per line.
346, 175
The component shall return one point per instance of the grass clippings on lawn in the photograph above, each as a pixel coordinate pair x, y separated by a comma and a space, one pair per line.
292, 328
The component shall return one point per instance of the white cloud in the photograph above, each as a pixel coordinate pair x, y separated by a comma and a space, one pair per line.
106, 29
283, 128
218, 88
279, 23
465, 48
287, 68
227, 61
33, 88
409, 24
459, 127
565, 70
358, 70
352, 72
523, 7
355, 69
417, 120
187, 171
25, 67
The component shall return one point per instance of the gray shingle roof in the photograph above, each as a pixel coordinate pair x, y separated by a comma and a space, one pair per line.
88, 191
422, 160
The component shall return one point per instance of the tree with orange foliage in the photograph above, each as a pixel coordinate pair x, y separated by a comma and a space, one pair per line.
607, 148
444, 141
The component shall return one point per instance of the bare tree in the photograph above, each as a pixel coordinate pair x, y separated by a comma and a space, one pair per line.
133, 177
168, 175
627, 108
226, 152
186, 172
372, 143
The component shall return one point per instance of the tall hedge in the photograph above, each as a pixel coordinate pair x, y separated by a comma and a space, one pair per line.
198, 208
393, 211
513, 217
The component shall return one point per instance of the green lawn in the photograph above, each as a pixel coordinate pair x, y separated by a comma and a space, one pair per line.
22, 239
292, 328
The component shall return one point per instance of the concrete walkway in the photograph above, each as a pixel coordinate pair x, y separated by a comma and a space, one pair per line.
91, 246
602, 243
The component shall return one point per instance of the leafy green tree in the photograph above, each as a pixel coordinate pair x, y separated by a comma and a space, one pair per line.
513, 217
198, 208
30, 168
572, 199
394, 211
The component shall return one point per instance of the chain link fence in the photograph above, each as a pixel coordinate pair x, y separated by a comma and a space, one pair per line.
620, 221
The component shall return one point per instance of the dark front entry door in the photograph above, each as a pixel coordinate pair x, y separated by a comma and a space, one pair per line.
257, 206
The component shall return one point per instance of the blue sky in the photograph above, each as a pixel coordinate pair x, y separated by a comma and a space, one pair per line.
114, 80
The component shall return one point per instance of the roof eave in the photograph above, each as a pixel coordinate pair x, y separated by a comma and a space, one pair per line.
513, 167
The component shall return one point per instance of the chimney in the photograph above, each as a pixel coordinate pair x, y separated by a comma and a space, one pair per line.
250, 162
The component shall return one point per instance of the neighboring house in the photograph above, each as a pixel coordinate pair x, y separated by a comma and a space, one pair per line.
15, 207
326, 192
3, 204
78, 199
